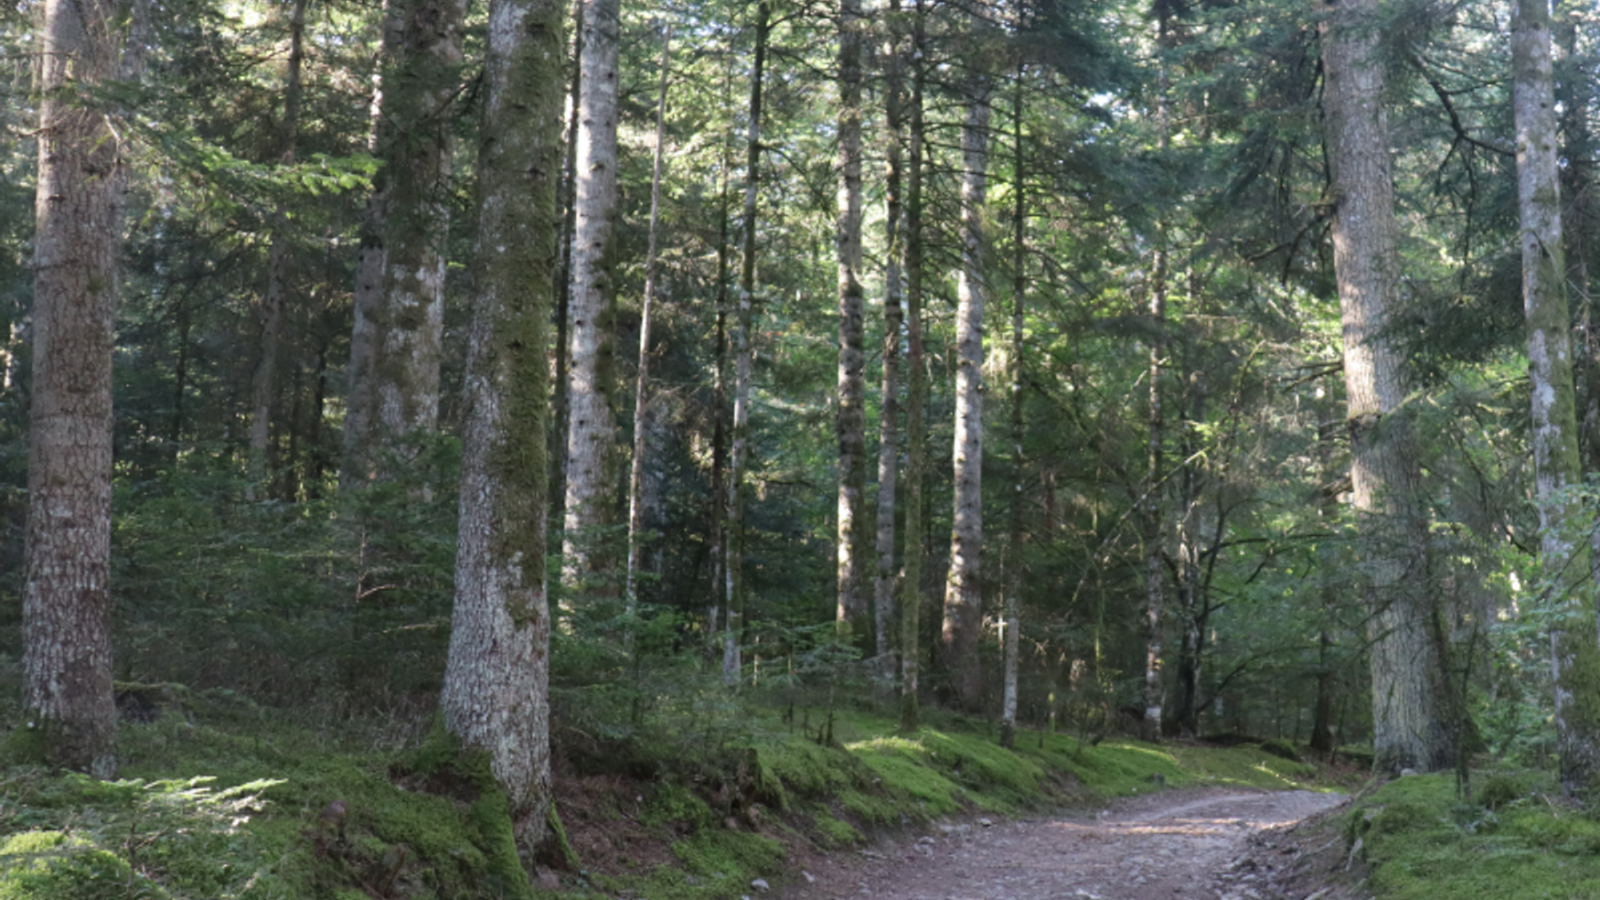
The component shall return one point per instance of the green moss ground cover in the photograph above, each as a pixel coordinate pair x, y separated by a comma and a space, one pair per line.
1516, 840
223, 800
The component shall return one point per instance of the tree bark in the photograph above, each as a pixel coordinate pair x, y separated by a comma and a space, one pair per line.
495, 691
893, 289
636, 507
916, 398
591, 423
963, 597
1019, 284
739, 449
396, 344
1574, 653
851, 611
67, 693
1409, 730
264, 384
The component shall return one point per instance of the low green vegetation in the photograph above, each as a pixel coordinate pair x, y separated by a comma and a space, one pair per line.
222, 799
1515, 838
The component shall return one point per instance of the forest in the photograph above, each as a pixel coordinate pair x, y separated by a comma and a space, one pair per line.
532, 380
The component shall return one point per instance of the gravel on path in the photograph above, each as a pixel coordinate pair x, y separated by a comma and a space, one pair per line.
1171, 845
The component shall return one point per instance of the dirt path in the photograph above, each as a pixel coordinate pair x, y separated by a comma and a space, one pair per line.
1176, 845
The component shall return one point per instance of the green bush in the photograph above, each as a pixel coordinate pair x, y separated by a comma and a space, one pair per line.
55, 865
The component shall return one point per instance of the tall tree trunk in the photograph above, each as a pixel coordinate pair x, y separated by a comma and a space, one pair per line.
963, 595
851, 610
586, 567
396, 346
67, 694
264, 384
1192, 602
636, 507
1013, 568
495, 690
1153, 691
1409, 729
560, 408
1322, 727
893, 288
916, 398
739, 450
1574, 654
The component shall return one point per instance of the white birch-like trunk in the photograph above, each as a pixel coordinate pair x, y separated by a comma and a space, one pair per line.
1574, 653
495, 691
963, 597
67, 688
1409, 728
591, 423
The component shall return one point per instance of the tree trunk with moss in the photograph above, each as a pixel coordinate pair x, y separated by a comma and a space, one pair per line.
1409, 725
67, 692
1011, 639
963, 596
586, 566
395, 346
495, 691
1563, 542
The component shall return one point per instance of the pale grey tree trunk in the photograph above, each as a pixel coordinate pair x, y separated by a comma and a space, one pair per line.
1563, 541
916, 398
264, 383
963, 597
67, 691
395, 347
893, 291
1409, 728
591, 422
851, 611
743, 351
641, 433
495, 690
1012, 636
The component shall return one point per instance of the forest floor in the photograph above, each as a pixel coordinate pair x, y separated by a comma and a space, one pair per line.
1190, 844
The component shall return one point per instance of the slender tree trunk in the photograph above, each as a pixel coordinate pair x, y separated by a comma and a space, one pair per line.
1409, 729
636, 508
495, 690
1574, 653
591, 423
851, 508
397, 345
1322, 728
916, 399
739, 451
560, 408
67, 693
1013, 568
264, 384
1153, 691
963, 596
893, 288
1192, 602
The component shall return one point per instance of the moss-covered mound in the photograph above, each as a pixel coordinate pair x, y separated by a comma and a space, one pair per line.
1515, 839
